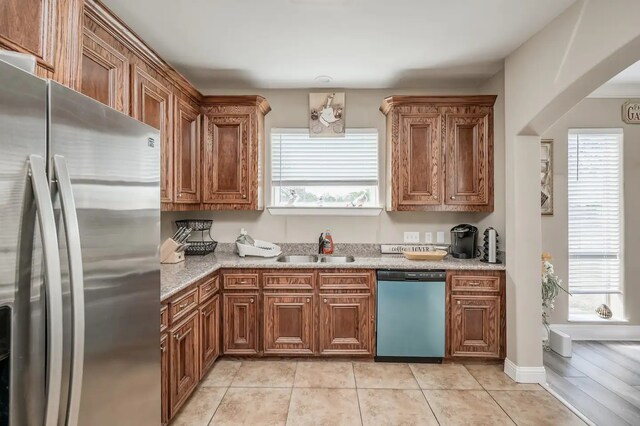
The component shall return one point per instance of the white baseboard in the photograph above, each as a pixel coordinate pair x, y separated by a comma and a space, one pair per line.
525, 374
599, 331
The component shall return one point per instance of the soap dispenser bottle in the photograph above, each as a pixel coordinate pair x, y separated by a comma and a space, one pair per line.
327, 247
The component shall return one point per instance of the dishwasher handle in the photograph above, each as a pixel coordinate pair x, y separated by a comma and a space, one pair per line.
422, 276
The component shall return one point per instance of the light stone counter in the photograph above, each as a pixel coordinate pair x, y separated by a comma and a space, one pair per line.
175, 278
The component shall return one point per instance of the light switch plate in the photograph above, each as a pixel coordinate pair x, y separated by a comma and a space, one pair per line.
428, 238
440, 237
412, 237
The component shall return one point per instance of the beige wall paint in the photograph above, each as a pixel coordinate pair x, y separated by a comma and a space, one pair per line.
289, 109
595, 113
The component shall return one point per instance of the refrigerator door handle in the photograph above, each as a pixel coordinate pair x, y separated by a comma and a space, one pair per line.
53, 279
76, 278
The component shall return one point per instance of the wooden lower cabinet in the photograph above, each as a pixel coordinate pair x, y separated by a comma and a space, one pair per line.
209, 334
241, 324
288, 324
164, 377
345, 324
476, 326
185, 360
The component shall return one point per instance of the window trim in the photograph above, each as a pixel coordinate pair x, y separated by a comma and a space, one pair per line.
277, 210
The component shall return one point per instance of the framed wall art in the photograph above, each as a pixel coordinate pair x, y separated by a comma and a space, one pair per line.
546, 176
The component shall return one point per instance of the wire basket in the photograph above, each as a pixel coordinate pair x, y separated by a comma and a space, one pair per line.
200, 248
195, 224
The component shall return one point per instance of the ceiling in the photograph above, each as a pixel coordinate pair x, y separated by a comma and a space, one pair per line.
358, 43
624, 85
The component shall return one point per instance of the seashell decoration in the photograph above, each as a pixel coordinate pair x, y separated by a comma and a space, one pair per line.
604, 311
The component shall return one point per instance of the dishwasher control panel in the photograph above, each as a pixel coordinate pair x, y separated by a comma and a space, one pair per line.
433, 275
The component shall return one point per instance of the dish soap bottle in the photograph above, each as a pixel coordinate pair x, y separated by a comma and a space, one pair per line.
328, 243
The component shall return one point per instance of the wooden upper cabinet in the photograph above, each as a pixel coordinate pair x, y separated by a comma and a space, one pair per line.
232, 152
469, 159
418, 159
104, 73
288, 324
186, 145
152, 104
29, 26
440, 153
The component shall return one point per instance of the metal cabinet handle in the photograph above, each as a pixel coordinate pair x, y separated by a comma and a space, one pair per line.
176, 336
308, 299
182, 305
453, 197
325, 300
207, 288
163, 349
244, 195
251, 300
76, 279
179, 194
458, 302
474, 283
53, 278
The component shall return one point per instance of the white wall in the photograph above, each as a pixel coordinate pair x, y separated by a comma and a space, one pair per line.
595, 113
289, 109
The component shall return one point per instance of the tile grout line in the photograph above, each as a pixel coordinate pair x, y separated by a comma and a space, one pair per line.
357, 393
291, 392
423, 395
225, 393
501, 407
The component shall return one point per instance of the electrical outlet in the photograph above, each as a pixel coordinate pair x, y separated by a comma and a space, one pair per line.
428, 238
412, 237
440, 237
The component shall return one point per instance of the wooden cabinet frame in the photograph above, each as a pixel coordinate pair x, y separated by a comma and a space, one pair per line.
186, 191
439, 153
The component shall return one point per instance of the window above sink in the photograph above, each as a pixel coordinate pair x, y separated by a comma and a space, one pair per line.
335, 175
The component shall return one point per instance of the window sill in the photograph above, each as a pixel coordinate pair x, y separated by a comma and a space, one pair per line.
324, 211
594, 319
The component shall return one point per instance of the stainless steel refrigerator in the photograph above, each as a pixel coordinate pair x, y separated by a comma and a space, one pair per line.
79, 259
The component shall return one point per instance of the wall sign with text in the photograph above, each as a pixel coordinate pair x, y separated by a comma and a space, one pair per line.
631, 112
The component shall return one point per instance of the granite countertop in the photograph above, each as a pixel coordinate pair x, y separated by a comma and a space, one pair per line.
175, 278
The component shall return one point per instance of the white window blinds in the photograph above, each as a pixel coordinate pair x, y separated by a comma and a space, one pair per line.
297, 159
595, 211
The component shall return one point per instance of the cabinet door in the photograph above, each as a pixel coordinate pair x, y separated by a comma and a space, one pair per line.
164, 374
187, 153
105, 73
288, 324
209, 333
469, 159
185, 358
345, 326
475, 326
226, 159
241, 324
152, 104
419, 169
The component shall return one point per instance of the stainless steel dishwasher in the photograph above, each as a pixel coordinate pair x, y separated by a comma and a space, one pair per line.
410, 316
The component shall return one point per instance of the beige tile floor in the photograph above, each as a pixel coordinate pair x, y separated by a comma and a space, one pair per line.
366, 393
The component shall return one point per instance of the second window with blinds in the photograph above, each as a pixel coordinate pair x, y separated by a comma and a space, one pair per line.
596, 228
324, 173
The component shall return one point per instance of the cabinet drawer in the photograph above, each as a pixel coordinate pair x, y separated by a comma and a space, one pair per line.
182, 306
480, 283
288, 280
208, 289
345, 280
164, 318
240, 281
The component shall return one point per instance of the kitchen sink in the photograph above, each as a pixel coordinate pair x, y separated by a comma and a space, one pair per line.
298, 259
338, 259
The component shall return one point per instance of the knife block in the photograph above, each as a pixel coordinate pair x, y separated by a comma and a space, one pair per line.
168, 252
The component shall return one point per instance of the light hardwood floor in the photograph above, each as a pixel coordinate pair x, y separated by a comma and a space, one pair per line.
366, 393
601, 379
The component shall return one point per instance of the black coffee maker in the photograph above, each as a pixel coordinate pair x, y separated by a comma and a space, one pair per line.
464, 241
